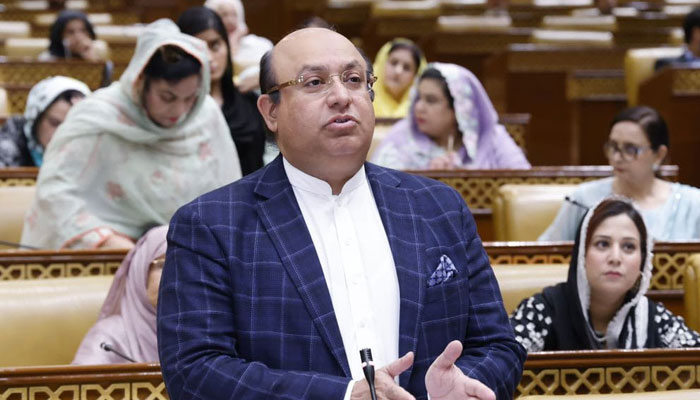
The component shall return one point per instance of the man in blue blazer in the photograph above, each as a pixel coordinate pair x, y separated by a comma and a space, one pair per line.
272, 283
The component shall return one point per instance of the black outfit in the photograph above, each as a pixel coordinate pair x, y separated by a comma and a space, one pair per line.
247, 129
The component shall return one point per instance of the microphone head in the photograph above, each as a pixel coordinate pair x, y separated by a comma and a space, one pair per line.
104, 346
366, 355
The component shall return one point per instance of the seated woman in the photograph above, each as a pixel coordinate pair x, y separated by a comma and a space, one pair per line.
637, 145
71, 36
127, 320
246, 49
603, 303
452, 124
396, 66
240, 110
131, 154
23, 138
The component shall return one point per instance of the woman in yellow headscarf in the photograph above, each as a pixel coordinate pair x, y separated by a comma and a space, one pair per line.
396, 65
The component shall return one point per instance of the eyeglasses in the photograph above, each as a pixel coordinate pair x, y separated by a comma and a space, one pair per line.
628, 151
320, 83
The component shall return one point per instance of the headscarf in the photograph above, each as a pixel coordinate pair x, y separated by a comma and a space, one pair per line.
127, 320
486, 143
56, 46
631, 326
39, 99
109, 165
385, 106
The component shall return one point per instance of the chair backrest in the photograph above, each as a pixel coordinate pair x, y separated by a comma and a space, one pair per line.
523, 212
639, 66
691, 289
14, 202
4, 104
9, 29
520, 281
44, 320
32, 47
572, 38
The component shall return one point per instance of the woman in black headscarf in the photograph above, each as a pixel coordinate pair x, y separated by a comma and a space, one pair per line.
603, 303
240, 110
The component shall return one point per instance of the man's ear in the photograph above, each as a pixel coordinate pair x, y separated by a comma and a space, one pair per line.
268, 110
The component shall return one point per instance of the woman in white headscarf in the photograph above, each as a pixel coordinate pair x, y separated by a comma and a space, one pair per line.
246, 48
128, 156
23, 138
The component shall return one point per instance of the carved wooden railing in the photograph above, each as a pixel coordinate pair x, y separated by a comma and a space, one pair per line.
553, 373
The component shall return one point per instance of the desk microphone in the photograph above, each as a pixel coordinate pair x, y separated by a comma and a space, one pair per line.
108, 347
368, 369
576, 203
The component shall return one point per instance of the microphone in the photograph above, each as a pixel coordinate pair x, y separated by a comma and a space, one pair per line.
368, 369
576, 203
18, 245
108, 347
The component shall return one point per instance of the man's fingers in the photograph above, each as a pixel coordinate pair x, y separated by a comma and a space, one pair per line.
397, 367
448, 357
478, 390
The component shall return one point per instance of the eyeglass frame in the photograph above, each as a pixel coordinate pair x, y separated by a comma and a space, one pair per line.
371, 79
615, 148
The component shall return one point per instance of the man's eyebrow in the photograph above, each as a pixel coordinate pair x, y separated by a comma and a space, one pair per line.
322, 68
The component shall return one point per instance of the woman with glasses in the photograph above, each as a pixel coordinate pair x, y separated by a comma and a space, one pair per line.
451, 124
636, 147
240, 109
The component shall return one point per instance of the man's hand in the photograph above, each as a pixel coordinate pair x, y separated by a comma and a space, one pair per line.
444, 381
384, 382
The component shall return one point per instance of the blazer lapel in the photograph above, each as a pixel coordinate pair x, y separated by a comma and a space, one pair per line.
404, 229
280, 214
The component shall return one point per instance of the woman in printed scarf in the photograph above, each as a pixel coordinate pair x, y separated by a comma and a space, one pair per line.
452, 124
129, 155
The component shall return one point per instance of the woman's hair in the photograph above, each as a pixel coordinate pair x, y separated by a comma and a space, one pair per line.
172, 64
56, 47
68, 96
416, 52
433, 73
611, 208
649, 120
196, 20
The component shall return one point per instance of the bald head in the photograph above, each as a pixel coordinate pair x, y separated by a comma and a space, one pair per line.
314, 41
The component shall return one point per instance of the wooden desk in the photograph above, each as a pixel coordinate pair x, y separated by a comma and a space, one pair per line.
18, 176
44, 264
30, 71
562, 373
535, 79
675, 93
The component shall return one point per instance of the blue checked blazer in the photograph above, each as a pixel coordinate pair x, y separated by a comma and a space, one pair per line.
244, 311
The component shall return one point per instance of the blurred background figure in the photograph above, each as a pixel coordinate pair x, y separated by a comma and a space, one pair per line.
451, 124
691, 36
603, 303
240, 110
23, 138
246, 48
396, 66
636, 147
127, 320
131, 154
496, 8
72, 36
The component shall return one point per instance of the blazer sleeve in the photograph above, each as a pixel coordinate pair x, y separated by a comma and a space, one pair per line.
491, 354
197, 332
